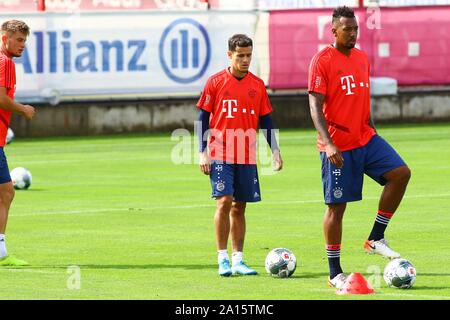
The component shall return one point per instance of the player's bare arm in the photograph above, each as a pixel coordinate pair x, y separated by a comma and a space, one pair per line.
8, 104
334, 155
204, 162
268, 130
277, 160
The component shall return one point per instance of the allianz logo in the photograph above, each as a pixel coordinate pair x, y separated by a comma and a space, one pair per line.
56, 52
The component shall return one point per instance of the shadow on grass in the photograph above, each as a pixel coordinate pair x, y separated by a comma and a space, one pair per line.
299, 275
306, 275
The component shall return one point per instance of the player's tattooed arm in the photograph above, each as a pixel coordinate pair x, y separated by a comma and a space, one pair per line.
334, 155
315, 107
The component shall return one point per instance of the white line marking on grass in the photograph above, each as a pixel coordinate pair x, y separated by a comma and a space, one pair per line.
112, 209
30, 270
90, 160
195, 206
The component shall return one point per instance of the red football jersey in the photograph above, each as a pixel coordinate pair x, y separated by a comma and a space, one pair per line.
235, 107
8, 81
344, 81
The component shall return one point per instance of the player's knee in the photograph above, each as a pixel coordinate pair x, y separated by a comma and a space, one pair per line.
407, 174
403, 174
238, 208
336, 211
224, 203
7, 196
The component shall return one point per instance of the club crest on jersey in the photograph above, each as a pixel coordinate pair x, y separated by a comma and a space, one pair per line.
230, 107
252, 93
338, 192
220, 186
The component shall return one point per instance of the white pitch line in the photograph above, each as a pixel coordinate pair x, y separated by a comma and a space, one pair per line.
111, 209
90, 160
445, 195
288, 136
30, 270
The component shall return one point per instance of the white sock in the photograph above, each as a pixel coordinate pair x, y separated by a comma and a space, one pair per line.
237, 257
222, 254
3, 252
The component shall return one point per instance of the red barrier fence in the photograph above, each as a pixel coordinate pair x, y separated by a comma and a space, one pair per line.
411, 45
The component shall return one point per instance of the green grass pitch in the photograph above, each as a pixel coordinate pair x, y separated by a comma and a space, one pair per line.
117, 212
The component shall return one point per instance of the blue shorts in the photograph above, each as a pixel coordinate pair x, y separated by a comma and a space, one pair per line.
239, 180
4, 170
375, 159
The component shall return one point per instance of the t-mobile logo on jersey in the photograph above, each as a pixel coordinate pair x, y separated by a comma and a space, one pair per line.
349, 84
230, 107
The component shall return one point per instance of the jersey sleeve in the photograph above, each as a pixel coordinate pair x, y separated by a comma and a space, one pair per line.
3, 72
318, 78
266, 106
206, 101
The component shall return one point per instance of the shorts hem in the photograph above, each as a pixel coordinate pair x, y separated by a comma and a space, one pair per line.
252, 200
342, 201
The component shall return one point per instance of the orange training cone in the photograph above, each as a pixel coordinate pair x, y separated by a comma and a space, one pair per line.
356, 284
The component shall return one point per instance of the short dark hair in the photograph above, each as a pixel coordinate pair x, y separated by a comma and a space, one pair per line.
239, 40
343, 11
13, 26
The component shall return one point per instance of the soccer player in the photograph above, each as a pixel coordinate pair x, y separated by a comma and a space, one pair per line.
339, 98
231, 105
14, 34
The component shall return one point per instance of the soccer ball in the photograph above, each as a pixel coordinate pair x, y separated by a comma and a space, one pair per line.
400, 273
21, 178
281, 262
9, 136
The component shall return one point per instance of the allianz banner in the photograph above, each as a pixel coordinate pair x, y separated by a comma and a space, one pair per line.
133, 54
100, 5
409, 44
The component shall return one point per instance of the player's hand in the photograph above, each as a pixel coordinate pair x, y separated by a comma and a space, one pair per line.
277, 161
334, 155
204, 162
28, 112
